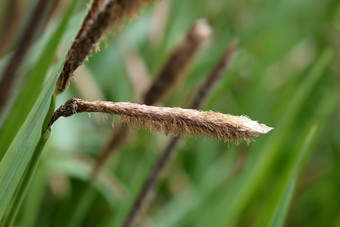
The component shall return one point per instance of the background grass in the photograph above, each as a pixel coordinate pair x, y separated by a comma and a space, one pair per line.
285, 73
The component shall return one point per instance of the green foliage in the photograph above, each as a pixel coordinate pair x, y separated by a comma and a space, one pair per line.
35, 79
284, 74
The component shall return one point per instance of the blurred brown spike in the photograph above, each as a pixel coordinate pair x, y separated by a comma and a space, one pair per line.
90, 17
14, 63
111, 16
178, 62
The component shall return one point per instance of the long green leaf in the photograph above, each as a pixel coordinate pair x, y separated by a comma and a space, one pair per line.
21, 150
277, 211
33, 85
287, 188
248, 185
34, 197
243, 190
8, 221
74, 167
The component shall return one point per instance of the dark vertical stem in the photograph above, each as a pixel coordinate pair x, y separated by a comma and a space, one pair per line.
120, 134
151, 181
214, 76
10, 72
9, 24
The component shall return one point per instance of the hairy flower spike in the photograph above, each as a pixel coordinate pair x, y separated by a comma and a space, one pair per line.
96, 24
171, 120
92, 13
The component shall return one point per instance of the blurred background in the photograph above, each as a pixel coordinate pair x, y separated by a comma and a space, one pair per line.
284, 73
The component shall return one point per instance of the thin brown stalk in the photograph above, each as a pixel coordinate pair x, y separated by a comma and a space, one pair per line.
120, 134
214, 76
111, 16
10, 73
143, 198
173, 71
169, 120
9, 24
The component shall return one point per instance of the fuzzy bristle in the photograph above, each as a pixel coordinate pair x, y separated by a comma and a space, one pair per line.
100, 19
173, 121
210, 124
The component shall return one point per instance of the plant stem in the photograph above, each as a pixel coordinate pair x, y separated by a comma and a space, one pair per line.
151, 180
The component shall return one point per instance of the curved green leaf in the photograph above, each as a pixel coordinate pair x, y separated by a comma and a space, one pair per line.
33, 85
20, 152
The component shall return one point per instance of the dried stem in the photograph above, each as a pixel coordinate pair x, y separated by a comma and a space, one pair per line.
171, 120
10, 72
143, 197
95, 25
171, 73
142, 200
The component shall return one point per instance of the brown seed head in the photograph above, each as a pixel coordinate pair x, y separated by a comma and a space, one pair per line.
171, 120
110, 16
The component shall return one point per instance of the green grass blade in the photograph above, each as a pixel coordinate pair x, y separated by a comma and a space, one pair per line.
261, 166
287, 188
243, 189
74, 167
279, 206
191, 201
281, 212
8, 221
34, 197
88, 196
33, 85
20, 152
